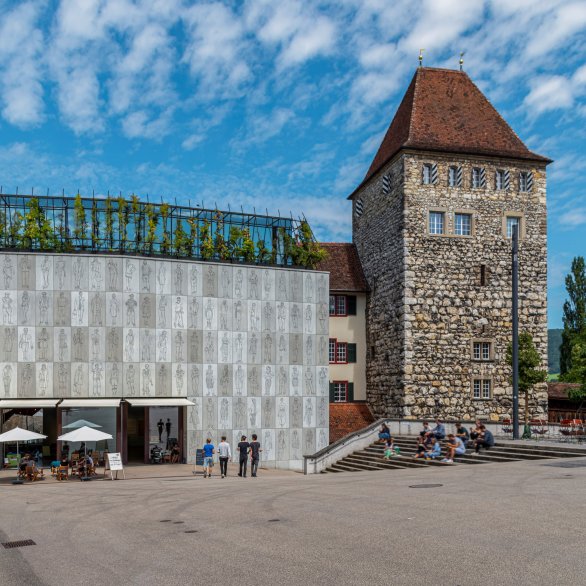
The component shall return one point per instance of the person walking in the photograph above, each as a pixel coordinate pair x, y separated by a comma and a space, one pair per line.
208, 458
255, 451
225, 454
243, 449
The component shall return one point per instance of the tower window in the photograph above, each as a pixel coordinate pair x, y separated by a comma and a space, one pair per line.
463, 224
454, 176
483, 275
426, 176
513, 221
525, 181
499, 179
482, 351
481, 388
478, 177
436, 222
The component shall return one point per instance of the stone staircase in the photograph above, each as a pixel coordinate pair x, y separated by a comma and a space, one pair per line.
371, 457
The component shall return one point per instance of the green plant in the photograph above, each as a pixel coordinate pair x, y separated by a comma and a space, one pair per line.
529, 372
262, 252
305, 251
95, 226
247, 246
79, 221
222, 249
166, 240
3, 231
152, 222
109, 220
206, 241
181, 240
37, 231
235, 243
138, 220
123, 213
193, 228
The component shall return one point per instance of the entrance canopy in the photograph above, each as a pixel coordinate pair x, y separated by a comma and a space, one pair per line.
28, 403
90, 403
178, 402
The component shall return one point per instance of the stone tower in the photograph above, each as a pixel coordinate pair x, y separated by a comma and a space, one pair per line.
432, 222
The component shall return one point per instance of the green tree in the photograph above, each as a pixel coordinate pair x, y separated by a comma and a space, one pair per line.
247, 246
305, 251
3, 230
206, 241
574, 317
152, 222
529, 372
37, 232
123, 213
181, 240
79, 221
95, 226
222, 248
109, 219
578, 371
166, 240
15, 230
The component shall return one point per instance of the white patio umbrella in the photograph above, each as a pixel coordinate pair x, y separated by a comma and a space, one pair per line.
84, 434
17, 435
80, 423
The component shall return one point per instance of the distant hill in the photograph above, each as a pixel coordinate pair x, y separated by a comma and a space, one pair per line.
554, 340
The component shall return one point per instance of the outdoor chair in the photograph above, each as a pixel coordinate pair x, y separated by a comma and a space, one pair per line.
507, 426
33, 473
571, 429
62, 473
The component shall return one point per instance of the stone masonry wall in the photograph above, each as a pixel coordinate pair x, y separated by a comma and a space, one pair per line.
378, 235
447, 308
427, 305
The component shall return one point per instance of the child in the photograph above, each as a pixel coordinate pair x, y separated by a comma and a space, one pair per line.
389, 448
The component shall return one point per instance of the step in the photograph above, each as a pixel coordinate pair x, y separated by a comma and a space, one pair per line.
357, 462
337, 467
397, 461
484, 456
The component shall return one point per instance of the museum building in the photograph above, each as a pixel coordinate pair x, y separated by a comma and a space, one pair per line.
162, 325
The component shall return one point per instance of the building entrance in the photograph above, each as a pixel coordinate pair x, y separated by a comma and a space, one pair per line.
135, 426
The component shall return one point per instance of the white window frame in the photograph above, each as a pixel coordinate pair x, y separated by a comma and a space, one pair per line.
499, 179
509, 233
432, 227
476, 172
481, 389
482, 350
340, 391
457, 226
523, 180
452, 176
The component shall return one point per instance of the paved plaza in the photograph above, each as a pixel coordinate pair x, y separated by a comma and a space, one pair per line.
494, 524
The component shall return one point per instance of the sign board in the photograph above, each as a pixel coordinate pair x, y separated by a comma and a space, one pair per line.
114, 463
199, 457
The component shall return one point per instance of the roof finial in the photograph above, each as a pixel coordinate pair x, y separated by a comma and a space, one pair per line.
462, 53
421, 57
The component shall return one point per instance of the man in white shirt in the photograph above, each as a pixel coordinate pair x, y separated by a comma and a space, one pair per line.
225, 454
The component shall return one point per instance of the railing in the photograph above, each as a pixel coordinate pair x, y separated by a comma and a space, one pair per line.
118, 225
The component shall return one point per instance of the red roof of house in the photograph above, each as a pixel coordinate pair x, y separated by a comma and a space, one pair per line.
344, 266
443, 110
559, 390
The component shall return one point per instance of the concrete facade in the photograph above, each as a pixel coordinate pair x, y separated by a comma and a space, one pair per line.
247, 345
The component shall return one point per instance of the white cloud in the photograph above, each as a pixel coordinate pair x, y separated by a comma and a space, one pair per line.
549, 92
21, 45
573, 218
215, 51
301, 32
262, 128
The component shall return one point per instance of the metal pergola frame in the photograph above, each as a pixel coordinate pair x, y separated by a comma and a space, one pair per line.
133, 215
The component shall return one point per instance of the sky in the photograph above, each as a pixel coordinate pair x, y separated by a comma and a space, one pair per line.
276, 105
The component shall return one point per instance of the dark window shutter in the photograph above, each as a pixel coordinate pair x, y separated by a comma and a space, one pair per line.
331, 392
351, 353
351, 304
350, 394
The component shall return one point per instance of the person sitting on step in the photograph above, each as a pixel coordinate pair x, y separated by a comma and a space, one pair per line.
426, 429
462, 432
423, 445
484, 440
435, 450
384, 433
455, 447
439, 431
389, 449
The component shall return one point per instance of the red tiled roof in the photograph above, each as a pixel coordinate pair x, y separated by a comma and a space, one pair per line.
558, 390
344, 266
443, 110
